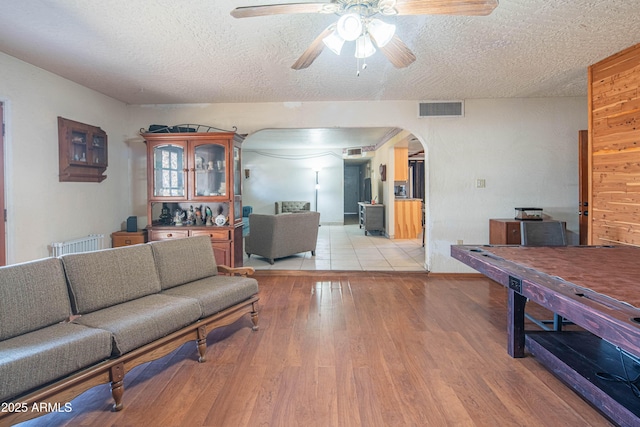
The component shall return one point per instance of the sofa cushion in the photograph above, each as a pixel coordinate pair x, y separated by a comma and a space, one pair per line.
36, 358
216, 293
104, 278
138, 322
32, 295
181, 261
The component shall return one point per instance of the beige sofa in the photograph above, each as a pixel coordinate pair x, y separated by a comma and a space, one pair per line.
292, 206
277, 236
68, 324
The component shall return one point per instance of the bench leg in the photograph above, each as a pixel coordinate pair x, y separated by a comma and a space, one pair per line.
515, 324
254, 317
202, 344
117, 385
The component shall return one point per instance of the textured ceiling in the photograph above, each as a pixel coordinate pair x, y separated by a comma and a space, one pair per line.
167, 51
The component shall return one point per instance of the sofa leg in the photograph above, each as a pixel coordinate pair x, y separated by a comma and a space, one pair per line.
117, 385
202, 344
254, 317
313, 253
271, 260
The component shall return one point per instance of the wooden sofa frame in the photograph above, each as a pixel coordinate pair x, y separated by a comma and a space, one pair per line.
113, 370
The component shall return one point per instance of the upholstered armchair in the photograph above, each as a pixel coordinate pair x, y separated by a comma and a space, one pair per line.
278, 236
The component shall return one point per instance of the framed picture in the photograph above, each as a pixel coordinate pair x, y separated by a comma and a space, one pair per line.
383, 172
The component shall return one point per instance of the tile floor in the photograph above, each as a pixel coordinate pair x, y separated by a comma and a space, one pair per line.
345, 247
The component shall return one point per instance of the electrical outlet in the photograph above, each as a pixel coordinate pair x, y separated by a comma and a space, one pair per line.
460, 242
481, 183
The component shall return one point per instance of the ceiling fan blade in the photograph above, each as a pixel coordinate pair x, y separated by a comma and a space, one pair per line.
279, 9
398, 53
446, 7
313, 51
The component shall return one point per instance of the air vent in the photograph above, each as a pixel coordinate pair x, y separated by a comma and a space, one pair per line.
441, 109
354, 152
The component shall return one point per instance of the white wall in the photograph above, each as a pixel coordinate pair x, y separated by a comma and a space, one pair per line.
289, 175
40, 209
525, 149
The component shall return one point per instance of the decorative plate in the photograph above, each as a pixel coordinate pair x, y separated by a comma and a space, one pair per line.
220, 220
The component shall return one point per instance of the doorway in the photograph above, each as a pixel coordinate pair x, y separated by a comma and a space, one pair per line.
351, 193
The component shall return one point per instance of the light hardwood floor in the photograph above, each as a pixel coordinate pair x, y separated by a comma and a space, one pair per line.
348, 349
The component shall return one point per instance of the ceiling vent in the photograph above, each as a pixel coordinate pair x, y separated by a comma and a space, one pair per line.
359, 153
441, 109
353, 152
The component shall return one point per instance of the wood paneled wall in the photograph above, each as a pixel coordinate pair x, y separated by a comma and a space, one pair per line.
614, 149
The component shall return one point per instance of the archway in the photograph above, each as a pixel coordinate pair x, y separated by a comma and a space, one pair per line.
283, 165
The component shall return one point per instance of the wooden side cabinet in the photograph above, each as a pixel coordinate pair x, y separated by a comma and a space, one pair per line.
506, 231
83, 155
124, 238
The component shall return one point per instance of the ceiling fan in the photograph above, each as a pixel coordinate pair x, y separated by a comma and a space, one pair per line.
359, 22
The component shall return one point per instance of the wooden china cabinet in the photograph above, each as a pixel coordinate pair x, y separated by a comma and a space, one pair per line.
190, 175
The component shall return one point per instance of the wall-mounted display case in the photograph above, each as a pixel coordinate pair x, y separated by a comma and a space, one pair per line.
83, 155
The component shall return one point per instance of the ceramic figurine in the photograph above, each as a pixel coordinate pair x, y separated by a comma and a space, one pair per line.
191, 216
177, 217
208, 216
199, 220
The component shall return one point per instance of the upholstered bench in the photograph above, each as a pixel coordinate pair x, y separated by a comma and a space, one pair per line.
292, 206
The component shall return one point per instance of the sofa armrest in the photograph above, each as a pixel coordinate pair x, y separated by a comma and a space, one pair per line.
236, 271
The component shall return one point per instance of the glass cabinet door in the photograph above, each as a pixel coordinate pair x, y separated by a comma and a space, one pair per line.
210, 170
169, 168
237, 179
99, 149
78, 146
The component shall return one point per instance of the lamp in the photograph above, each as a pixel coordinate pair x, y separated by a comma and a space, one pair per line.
317, 187
359, 27
364, 47
349, 26
334, 42
381, 32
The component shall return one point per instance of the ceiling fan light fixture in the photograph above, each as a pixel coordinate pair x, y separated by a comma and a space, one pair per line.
334, 42
381, 31
349, 26
364, 47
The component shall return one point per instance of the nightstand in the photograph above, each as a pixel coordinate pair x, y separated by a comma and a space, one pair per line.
124, 238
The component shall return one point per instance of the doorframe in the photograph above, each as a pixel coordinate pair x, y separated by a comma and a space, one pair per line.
583, 185
3, 208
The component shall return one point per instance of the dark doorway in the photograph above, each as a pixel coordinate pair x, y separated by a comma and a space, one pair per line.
351, 189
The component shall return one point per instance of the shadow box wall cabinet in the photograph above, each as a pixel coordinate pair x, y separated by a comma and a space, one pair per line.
194, 188
82, 152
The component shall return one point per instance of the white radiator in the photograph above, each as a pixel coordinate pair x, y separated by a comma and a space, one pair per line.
93, 242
